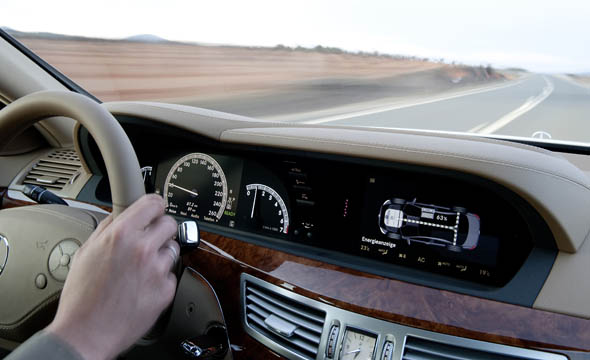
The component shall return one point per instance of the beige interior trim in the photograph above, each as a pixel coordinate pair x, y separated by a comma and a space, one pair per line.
116, 149
557, 185
71, 190
33, 232
11, 165
28, 141
204, 122
212, 124
528, 173
19, 77
526, 170
76, 134
567, 289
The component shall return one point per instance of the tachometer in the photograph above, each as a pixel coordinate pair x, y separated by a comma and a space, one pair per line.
196, 187
267, 209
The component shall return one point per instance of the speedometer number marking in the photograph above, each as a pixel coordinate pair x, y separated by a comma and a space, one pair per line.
196, 187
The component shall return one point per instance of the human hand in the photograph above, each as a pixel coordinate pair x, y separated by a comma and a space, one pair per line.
120, 281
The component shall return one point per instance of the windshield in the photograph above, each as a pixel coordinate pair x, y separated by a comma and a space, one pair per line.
509, 68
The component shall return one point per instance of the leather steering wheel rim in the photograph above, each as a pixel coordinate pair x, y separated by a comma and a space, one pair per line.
119, 156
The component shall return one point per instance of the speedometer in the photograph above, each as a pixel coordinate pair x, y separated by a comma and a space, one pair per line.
196, 187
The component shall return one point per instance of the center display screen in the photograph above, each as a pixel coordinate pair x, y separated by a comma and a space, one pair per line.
425, 226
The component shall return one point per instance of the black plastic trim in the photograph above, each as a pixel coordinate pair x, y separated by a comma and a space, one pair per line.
556, 147
56, 74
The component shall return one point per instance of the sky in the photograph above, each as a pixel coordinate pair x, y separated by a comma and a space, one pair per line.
539, 35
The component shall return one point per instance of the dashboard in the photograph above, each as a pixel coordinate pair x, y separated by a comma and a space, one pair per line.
382, 238
409, 218
426, 225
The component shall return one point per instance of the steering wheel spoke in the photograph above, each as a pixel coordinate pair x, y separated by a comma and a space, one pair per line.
42, 239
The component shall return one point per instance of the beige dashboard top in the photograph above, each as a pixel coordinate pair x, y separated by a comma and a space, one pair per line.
558, 189
552, 184
526, 170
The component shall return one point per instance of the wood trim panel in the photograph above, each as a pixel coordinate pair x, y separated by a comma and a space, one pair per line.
387, 299
375, 296
8, 202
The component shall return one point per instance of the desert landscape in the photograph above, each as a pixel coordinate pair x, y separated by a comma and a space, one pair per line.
249, 81
582, 79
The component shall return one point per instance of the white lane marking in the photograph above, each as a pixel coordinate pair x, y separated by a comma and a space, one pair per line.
407, 105
478, 127
528, 105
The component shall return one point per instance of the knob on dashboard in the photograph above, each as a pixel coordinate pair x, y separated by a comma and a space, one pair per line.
188, 235
332, 340
387, 353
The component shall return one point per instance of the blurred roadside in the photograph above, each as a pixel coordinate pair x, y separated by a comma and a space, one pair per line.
250, 81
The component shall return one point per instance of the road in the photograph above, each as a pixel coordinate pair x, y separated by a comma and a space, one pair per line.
535, 103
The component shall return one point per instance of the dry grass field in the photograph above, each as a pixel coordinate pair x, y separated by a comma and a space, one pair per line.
250, 81
123, 70
581, 79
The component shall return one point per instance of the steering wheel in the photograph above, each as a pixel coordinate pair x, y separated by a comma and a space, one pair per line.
30, 282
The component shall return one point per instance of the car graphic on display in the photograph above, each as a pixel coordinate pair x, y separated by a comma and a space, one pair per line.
453, 228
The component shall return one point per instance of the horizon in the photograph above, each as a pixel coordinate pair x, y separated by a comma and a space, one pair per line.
199, 43
536, 35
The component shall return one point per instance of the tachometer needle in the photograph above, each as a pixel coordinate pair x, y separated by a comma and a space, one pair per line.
183, 189
254, 203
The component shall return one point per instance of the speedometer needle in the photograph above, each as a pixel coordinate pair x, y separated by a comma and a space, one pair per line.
353, 351
183, 189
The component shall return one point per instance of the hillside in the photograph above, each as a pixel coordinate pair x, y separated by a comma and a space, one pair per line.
210, 75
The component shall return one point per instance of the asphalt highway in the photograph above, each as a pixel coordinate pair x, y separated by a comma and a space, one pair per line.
544, 105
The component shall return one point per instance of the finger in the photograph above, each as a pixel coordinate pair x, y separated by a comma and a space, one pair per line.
159, 231
169, 289
100, 228
104, 223
142, 212
168, 256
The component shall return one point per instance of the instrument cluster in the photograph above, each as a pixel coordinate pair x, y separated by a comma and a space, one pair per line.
420, 224
223, 190
409, 218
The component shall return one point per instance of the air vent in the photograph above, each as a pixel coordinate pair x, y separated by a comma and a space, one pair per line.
421, 349
290, 324
54, 170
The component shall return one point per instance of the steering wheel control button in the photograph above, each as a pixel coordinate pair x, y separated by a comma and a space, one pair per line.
4, 248
41, 281
64, 260
60, 258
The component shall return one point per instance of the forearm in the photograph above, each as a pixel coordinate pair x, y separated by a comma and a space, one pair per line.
44, 345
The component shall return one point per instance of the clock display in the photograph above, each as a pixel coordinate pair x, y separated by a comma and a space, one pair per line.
358, 345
